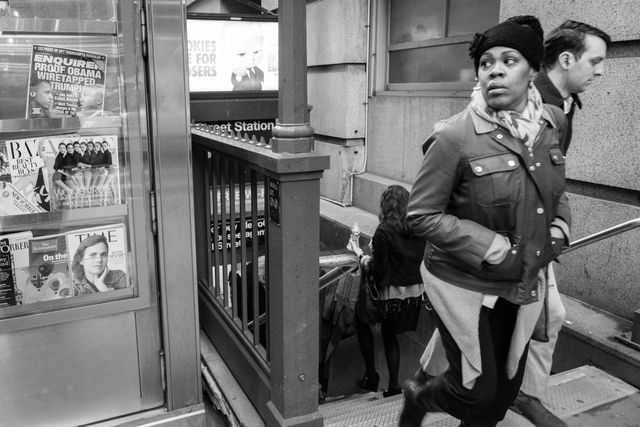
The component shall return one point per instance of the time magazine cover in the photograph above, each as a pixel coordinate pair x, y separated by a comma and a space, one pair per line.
98, 258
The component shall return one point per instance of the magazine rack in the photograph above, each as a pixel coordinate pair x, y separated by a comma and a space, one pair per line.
77, 82
104, 81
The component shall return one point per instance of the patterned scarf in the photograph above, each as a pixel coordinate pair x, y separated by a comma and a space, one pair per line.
524, 126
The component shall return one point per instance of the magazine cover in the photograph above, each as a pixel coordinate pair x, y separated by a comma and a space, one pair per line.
81, 171
23, 189
7, 282
98, 258
65, 83
5, 9
19, 245
48, 269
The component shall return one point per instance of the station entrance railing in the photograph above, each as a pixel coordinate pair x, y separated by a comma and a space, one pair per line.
257, 243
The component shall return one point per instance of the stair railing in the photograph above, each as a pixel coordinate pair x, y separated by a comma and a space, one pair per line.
634, 341
604, 234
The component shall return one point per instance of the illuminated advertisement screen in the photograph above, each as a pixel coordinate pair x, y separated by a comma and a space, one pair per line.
232, 55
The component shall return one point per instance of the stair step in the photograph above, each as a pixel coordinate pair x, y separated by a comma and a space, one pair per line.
570, 392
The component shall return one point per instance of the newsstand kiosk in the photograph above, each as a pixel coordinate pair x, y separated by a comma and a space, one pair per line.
98, 313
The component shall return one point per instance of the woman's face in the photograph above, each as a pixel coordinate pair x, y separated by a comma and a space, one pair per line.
90, 146
504, 76
95, 259
105, 146
62, 149
83, 148
70, 148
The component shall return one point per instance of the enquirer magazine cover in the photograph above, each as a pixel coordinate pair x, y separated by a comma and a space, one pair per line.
65, 83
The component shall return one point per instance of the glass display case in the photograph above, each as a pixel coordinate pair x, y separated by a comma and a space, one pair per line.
79, 310
71, 135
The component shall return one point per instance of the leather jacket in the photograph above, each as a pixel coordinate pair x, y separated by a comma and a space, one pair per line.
477, 180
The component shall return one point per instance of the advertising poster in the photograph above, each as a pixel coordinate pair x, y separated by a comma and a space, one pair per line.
5, 9
65, 83
274, 201
98, 258
234, 237
81, 171
232, 55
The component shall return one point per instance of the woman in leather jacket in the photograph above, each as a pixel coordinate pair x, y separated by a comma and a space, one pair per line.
489, 199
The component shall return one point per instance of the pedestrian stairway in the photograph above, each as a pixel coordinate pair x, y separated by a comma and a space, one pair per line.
570, 392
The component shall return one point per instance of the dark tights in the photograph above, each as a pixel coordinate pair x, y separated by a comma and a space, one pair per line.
391, 350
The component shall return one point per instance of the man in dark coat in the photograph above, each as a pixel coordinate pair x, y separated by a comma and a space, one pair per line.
573, 57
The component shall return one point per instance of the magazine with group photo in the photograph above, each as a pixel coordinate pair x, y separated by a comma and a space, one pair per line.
82, 171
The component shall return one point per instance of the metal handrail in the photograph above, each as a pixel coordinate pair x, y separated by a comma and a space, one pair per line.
601, 235
341, 263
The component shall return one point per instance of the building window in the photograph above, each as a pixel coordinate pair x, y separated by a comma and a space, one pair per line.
427, 41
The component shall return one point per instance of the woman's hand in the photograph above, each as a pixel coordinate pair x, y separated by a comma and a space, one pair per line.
558, 239
556, 232
99, 283
354, 247
498, 250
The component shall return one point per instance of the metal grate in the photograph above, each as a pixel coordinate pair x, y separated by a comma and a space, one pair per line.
570, 393
583, 388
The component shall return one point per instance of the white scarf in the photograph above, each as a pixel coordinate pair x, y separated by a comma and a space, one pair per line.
524, 126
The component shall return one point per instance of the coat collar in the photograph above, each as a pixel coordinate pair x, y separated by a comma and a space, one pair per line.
481, 125
550, 94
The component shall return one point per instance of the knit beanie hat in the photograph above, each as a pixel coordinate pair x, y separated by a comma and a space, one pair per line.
525, 37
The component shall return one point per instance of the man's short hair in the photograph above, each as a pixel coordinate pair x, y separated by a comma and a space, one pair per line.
569, 36
36, 83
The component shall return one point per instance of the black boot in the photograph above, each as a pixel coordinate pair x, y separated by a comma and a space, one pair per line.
421, 377
370, 382
412, 413
417, 403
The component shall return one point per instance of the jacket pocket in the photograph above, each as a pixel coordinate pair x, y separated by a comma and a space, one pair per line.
558, 161
496, 180
511, 267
